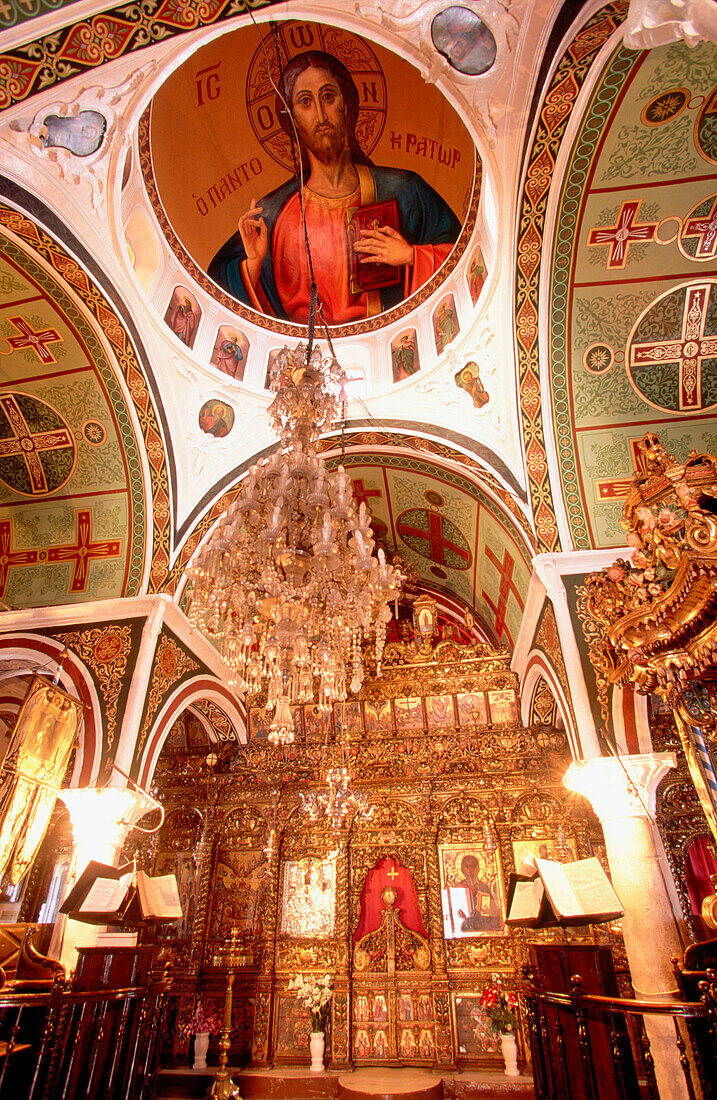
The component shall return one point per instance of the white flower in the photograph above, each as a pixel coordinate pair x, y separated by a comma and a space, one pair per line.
315, 993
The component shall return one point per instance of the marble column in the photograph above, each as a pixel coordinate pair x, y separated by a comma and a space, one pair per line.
622, 793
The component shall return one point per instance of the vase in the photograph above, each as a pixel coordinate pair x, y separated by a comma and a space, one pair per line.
509, 1047
316, 1046
201, 1046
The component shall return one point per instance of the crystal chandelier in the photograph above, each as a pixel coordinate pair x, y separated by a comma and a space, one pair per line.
288, 580
337, 800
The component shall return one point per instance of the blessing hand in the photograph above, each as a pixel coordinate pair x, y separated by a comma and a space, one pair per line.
384, 246
255, 238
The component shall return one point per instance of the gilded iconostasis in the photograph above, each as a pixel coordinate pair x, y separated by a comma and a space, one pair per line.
404, 906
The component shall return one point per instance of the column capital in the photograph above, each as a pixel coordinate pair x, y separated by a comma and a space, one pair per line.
623, 786
546, 567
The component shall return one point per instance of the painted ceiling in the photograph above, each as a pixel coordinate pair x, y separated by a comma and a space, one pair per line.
73, 510
494, 409
451, 530
633, 322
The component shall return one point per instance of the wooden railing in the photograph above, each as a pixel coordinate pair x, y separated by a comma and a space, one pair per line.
63, 1044
594, 1048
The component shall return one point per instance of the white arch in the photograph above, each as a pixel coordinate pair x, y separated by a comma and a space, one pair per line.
36, 652
199, 687
536, 666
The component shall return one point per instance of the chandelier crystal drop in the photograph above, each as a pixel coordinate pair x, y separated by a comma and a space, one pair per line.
337, 801
288, 580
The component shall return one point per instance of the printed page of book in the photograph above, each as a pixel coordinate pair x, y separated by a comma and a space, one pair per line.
562, 897
579, 889
592, 887
106, 895
527, 898
461, 900
159, 897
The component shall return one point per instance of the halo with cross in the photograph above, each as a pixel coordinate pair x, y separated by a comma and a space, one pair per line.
296, 37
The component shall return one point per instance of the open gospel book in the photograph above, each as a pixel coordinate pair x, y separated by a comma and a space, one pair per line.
562, 893
119, 895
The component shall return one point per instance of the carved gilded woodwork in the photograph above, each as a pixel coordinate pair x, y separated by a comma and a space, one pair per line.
465, 783
260, 1037
340, 1025
393, 814
656, 616
652, 622
537, 806
463, 811
296, 957
181, 829
679, 817
244, 822
392, 947
480, 955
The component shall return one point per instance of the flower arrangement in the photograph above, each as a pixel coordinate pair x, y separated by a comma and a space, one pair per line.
316, 993
501, 1007
201, 1022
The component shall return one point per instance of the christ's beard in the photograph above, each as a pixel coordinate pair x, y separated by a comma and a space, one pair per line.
328, 144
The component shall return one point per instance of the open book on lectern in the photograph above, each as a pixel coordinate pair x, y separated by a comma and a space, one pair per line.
562, 893
121, 895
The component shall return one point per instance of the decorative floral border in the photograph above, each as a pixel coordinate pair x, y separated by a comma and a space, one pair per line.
565, 85
100, 308
612, 84
83, 46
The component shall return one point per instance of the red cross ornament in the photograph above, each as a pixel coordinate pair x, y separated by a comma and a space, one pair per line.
506, 589
30, 445
436, 539
361, 493
10, 558
705, 229
34, 340
83, 551
689, 349
624, 233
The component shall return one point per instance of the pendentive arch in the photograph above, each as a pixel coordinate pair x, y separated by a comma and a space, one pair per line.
37, 653
191, 691
81, 289
539, 667
499, 537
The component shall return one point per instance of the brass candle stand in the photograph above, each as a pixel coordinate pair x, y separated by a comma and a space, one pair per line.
222, 1087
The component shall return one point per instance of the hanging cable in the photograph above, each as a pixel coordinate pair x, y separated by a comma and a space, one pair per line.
295, 144
315, 305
